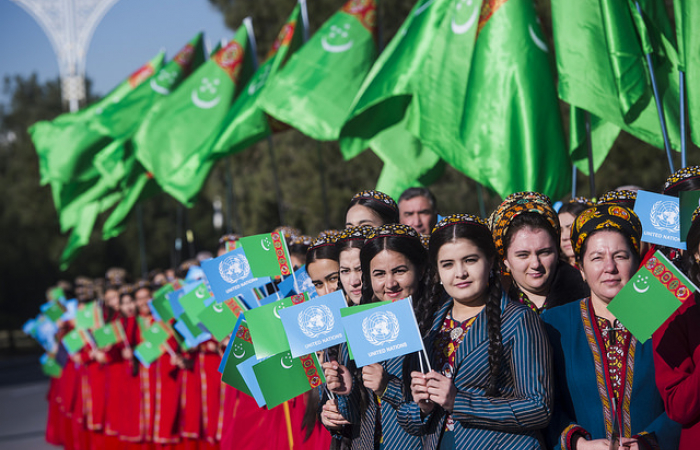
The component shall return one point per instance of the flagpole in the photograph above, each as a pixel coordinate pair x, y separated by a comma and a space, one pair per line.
589, 146
178, 234
142, 241
324, 192
232, 215
574, 174
659, 105
305, 19
681, 86
480, 194
278, 192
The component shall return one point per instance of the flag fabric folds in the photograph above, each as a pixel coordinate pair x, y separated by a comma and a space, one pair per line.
178, 129
314, 90
246, 123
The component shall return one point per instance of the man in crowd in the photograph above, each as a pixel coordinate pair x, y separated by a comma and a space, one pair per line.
418, 209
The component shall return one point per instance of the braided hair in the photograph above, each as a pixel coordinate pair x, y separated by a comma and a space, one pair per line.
480, 236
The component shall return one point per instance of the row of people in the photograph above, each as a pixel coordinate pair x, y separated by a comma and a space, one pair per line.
497, 374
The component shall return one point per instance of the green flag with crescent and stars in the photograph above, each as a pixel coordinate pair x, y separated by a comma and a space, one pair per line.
123, 118
240, 349
314, 91
380, 115
299, 374
613, 83
246, 123
179, 128
67, 145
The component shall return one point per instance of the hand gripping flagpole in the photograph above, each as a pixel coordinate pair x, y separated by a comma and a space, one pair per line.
657, 98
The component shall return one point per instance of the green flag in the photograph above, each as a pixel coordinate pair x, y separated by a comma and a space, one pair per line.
74, 341
687, 12
54, 311
194, 302
67, 145
246, 123
384, 107
267, 254
314, 91
110, 334
88, 316
220, 318
655, 292
612, 82
80, 237
266, 329
182, 125
50, 366
282, 377
508, 136
123, 118
161, 304
603, 135
241, 350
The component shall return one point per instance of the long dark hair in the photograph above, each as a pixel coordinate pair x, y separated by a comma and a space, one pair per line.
323, 252
408, 246
481, 237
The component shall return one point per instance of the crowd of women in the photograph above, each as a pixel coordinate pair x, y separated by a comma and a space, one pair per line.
521, 349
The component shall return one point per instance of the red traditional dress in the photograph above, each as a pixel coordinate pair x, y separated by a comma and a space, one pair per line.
191, 403
212, 393
115, 372
130, 423
54, 420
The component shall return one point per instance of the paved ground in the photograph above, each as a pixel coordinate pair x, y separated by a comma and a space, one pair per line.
23, 405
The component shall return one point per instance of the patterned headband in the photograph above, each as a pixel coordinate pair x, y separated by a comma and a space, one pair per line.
329, 233
288, 232
600, 217
376, 196
696, 213
302, 240
680, 175
454, 219
515, 205
616, 197
229, 238
393, 229
322, 241
355, 233
582, 201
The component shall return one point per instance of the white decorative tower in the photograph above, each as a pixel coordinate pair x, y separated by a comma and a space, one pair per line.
69, 24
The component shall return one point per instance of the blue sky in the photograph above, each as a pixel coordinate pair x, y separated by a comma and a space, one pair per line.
130, 34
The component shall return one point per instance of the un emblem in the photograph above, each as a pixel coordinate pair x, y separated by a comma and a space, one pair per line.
234, 268
665, 215
316, 320
381, 328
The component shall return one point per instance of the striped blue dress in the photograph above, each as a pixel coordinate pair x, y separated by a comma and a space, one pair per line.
514, 419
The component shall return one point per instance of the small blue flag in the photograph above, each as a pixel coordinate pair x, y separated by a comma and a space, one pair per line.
383, 333
287, 288
229, 274
71, 309
315, 324
661, 219
191, 341
246, 370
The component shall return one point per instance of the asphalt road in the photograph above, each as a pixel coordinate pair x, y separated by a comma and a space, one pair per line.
23, 405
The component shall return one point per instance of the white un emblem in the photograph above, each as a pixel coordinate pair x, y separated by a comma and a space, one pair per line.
316, 320
665, 216
234, 268
381, 328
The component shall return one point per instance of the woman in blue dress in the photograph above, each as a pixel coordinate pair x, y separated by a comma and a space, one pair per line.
489, 387
604, 378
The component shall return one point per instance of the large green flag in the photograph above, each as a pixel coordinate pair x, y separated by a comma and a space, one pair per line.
123, 118
67, 145
314, 91
602, 68
687, 12
80, 236
246, 123
392, 181
476, 89
603, 135
181, 126
385, 105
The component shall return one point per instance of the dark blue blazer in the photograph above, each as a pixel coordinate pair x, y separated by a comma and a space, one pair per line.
512, 420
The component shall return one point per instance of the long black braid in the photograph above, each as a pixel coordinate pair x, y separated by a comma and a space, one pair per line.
481, 237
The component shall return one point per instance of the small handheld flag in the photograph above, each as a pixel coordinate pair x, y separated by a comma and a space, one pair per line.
267, 255
266, 327
383, 333
314, 325
299, 374
655, 292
